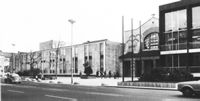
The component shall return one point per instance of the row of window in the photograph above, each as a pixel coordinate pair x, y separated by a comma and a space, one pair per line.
177, 20
178, 60
176, 28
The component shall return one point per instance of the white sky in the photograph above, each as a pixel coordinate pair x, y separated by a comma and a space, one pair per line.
26, 23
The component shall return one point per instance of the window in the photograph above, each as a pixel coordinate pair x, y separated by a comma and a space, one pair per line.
196, 26
175, 30
176, 20
151, 41
101, 48
195, 17
76, 64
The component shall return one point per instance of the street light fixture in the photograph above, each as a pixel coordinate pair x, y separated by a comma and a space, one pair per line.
72, 69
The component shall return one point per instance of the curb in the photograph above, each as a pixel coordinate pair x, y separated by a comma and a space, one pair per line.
152, 88
104, 85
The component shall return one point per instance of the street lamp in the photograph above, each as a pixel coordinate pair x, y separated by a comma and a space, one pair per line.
13, 58
72, 69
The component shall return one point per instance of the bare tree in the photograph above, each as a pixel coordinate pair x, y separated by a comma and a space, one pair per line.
34, 59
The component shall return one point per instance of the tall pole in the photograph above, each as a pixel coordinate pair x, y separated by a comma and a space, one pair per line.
72, 69
122, 48
140, 45
13, 58
132, 50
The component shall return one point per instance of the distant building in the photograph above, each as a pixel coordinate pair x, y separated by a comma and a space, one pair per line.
51, 44
102, 55
4, 62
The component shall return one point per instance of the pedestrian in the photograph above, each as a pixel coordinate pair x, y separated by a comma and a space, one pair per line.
97, 74
117, 74
114, 75
110, 74
105, 74
101, 74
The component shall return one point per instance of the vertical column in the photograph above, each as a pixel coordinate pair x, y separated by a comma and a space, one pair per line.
189, 36
142, 65
154, 63
104, 56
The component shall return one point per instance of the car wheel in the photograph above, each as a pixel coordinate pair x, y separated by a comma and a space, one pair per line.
187, 92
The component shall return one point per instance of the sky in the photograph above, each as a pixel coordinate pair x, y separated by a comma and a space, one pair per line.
26, 23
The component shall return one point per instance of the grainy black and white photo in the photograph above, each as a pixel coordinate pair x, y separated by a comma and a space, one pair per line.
100, 50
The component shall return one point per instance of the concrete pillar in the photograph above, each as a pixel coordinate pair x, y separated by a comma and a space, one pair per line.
154, 63
142, 65
104, 56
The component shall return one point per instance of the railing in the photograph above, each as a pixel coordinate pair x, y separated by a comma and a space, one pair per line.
169, 47
194, 45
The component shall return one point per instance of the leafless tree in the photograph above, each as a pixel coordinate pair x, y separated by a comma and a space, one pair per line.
34, 59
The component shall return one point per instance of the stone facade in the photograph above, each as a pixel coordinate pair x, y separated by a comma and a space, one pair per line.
101, 54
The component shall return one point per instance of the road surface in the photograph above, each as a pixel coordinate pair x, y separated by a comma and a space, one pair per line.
60, 92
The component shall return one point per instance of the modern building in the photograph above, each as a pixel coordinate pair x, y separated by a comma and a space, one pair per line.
180, 35
145, 52
102, 55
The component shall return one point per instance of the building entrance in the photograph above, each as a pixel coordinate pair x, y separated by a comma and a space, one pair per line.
127, 68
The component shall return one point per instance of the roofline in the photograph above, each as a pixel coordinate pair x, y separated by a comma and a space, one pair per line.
143, 24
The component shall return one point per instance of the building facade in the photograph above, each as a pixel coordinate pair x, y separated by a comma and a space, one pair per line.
180, 35
102, 55
145, 44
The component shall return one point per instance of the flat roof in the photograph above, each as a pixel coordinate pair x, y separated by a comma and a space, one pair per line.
178, 4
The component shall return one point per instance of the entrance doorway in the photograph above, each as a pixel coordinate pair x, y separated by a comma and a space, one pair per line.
148, 65
127, 68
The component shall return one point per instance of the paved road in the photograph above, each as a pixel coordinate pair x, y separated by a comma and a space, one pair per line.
55, 92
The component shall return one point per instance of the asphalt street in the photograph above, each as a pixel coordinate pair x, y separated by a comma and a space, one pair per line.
60, 92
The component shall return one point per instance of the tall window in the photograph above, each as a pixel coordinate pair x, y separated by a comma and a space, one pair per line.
151, 41
196, 26
176, 20
195, 17
175, 30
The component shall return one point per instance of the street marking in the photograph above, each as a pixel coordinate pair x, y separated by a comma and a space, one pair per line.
105, 94
59, 97
15, 91
54, 89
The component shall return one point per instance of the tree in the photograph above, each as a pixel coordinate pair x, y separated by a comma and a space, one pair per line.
88, 69
34, 58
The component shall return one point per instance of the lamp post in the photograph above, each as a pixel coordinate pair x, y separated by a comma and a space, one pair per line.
72, 69
13, 58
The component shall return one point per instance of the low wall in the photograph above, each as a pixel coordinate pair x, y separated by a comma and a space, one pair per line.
148, 84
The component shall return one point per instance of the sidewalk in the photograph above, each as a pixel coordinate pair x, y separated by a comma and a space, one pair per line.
86, 82
106, 82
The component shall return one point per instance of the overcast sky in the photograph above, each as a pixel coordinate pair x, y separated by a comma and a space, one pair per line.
26, 23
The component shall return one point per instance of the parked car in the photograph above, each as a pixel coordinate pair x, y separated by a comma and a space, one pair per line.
13, 78
189, 88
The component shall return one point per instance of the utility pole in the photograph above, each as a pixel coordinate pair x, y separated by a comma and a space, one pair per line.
122, 48
140, 47
132, 50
